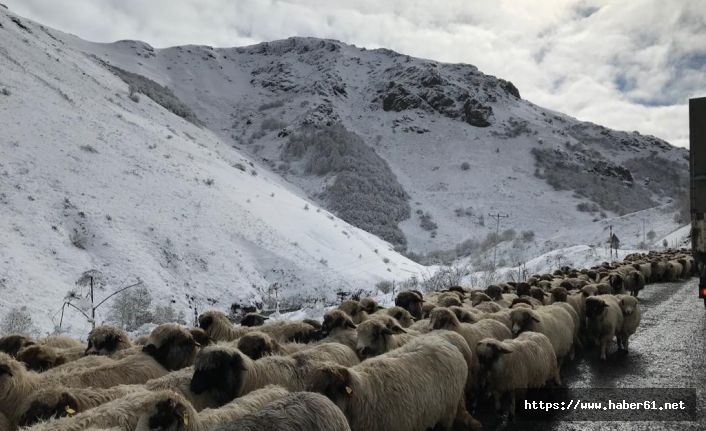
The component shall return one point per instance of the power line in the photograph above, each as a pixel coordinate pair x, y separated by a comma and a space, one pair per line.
497, 218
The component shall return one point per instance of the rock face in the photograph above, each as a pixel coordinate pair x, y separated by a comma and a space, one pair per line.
476, 114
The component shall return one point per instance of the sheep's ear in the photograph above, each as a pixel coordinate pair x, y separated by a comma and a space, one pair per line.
385, 331
396, 329
534, 316
350, 324
150, 349
237, 363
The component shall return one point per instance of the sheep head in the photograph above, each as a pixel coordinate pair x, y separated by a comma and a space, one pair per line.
595, 305
168, 413
172, 346
374, 336
336, 319
256, 345
523, 289
334, 381
411, 301
106, 340
370, 305
494, 291
523, 319
253, 319
48, 405
489, 350
40, 358
443, 318
537, 293
353, 309
200, 337
219, 370
559, 294
12, 344
463, 316
628, 304
401, 315
589, 290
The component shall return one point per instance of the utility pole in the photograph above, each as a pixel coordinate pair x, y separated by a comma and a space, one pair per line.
497, 218
610, 242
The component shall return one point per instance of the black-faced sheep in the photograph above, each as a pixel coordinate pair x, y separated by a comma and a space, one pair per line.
402, 316
634, 282
225, 373
253, 319
416, 387
411, 301
631, 319
11, 344
55, 402
257, 344
173, 412
338, 327
527, 361
122, 413
554, 321
375, 337
604, 319
106, 340
370, 305
39, 358
298, 411
354, 309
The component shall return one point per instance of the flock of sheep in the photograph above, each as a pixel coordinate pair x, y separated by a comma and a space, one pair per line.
422, 364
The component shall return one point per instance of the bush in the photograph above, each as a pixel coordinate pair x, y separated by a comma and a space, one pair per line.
131, 308
5, 92
18, 321
651, 235
167, 314
508, 235
527, 235
384, 286
465, 166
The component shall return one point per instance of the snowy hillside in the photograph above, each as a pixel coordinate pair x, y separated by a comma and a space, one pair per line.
91, 179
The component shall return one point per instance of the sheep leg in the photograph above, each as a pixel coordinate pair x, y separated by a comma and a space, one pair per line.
604, 347
625, 344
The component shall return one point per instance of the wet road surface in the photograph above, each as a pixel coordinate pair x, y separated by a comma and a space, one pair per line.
667, 351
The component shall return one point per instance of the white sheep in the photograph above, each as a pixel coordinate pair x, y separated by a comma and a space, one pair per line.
413, 388
631, 319
555, 321
525, 362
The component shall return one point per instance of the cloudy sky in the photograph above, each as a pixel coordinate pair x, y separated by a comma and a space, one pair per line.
629, 65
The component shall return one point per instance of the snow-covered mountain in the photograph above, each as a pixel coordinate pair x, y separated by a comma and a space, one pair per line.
90, 179
215, 174
435, 147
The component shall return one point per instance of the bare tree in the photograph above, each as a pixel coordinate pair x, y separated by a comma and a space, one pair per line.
18, 321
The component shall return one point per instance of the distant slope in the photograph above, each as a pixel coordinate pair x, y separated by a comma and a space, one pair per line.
458, 143
91, 179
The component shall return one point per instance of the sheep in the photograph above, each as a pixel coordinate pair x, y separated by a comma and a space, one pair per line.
616, 280
54, 402
488, 307
225, 373
674, 271
80, 364
631, 319
525, 362
466, 315
60, 342
338, 327
413, 388
539, 294
494, 291
411, 301
634, 282
171, 411
659, 270
646, 271
219, 328
180, 382
427, 308
201, 337
253, 319
38, 357
354, 309
258, 344
528, 300
4, 423
107, 340
375, 338
370, 305
170, 347
604, 319
298, 411
402, 316
502, 316
576, 300
123, 412
11, 344
555, 321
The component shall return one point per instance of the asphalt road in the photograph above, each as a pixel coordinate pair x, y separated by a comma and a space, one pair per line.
667, 351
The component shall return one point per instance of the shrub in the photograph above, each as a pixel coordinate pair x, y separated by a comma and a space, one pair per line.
465, 166
5, 92
651, 235
131, 308
18, 321
384, 286
527, 235
167, 314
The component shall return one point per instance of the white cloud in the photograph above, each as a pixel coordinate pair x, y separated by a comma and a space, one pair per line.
629, 65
